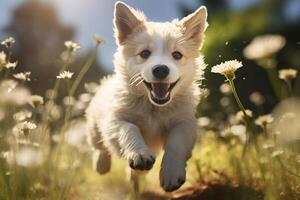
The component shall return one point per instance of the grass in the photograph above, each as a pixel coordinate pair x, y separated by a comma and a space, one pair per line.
43, 153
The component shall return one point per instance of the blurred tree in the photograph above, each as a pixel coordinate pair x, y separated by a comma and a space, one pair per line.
40, 40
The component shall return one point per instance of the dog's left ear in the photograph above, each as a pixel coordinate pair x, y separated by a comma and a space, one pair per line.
194, 25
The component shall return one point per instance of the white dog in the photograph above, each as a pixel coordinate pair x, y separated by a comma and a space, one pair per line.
150, 100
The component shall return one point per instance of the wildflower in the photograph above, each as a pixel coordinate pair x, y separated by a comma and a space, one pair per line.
36, 100
22, 115
225, 88
268, 145
24, 127
69, 101
2, 60
65, 75
264, 46
72, 46
53, 110
85, 97
264, 120
204, 121
287, 74
227, 68
29, 157
8, 84
50, 94
277, 153
24, 76
75, 134
237, 131
11, 65
240, 115
8, 42
8, 156
11, 94
99, 40
287, 121
91, 87
224, 101
257, 98
79, 106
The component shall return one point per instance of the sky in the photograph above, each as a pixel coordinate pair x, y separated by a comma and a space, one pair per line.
91, 17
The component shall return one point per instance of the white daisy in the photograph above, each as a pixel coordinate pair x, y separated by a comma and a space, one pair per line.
227, 68
8, 42
65, 75
264, 46
264, 120
287, 74
72, 46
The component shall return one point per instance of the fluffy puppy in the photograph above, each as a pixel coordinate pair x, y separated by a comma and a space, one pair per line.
149, 102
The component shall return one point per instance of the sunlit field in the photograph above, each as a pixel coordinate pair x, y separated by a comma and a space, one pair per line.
248, 145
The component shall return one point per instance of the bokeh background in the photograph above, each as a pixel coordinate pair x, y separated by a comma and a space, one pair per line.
40, 28
55, 127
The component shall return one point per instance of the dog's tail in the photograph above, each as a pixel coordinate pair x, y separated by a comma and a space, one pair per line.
101, 161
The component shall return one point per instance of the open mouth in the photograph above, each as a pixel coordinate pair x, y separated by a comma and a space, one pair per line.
160, 91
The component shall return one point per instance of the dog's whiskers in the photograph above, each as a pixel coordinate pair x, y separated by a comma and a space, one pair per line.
134, 76
139, 78
139, 82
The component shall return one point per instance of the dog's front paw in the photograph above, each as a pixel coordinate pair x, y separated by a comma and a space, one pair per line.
141, 160
172, 175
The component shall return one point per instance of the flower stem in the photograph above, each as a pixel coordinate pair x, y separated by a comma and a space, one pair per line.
68, 111
83, 71
237, 99
275, 83
289, 85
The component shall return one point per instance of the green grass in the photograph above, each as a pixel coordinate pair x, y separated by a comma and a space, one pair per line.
49, 159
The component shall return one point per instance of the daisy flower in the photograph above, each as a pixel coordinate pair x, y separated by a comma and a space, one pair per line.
241, 116
36, 100
2, 59
11, 65
287, 74
227, 68
264, 46
98, 39
264, 120
24, 76
8, 42
24, 127
65, 75
72, 46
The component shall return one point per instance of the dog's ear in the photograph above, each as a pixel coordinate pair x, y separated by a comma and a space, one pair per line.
126, 19
194, 25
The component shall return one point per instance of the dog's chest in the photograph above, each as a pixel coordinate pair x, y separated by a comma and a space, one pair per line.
151, 123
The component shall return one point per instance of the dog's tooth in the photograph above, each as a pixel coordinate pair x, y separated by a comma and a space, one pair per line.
167, 94
152, 93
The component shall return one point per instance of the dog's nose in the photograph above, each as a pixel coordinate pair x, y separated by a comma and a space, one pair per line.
160, 71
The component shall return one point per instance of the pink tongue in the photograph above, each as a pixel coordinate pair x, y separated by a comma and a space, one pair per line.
160, 90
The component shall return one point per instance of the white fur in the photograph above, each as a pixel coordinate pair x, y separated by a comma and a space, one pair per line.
122, 119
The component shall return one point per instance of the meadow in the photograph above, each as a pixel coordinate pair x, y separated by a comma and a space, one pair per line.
251, 155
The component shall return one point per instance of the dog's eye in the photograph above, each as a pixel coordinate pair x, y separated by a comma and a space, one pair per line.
145, 54
177, 55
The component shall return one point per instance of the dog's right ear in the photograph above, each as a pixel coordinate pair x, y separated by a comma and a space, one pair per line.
126, 19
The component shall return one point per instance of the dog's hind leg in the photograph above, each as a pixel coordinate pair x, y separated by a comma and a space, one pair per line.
101, 156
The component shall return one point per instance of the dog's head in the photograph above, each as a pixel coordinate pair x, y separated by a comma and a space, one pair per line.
158, 58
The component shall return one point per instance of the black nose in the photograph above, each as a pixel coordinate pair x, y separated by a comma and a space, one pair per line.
160, 71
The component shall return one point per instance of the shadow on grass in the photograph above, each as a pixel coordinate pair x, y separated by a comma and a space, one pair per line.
209, 192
